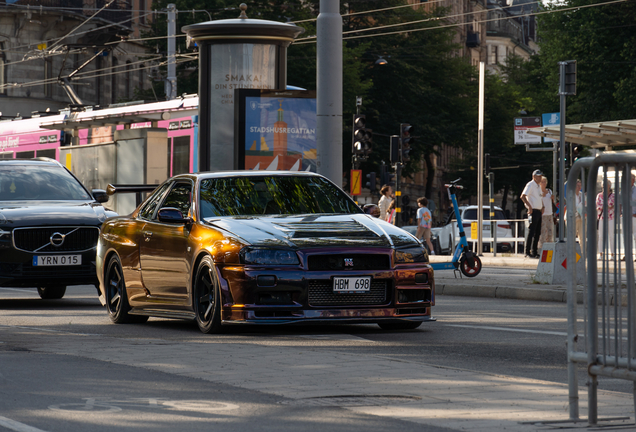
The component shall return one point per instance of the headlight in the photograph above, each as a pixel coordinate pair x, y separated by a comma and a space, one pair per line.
262, 256
412, 254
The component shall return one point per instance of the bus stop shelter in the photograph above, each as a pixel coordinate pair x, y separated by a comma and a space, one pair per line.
600, 135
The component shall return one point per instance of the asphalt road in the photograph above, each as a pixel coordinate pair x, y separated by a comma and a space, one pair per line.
64, 392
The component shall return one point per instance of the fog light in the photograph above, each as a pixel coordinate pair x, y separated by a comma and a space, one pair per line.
266, 281
421, 278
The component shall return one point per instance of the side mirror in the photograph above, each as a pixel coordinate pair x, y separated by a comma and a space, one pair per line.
100, 195
172, 215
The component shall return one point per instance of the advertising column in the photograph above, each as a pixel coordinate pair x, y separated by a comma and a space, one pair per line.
234, 54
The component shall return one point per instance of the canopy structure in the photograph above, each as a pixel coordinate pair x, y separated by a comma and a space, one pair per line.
127, 114
604, 135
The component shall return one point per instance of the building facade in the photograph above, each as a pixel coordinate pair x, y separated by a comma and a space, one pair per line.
44, 41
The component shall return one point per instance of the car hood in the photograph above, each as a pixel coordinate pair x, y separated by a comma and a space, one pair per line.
312, 230
14, 214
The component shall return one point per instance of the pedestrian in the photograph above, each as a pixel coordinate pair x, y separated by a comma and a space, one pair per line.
372, 209
578, 197
385, 200
600, 212
424, 222
533, 200
390, 213
547, 218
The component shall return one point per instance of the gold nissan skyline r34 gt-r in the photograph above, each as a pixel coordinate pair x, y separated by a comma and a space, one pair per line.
260, 247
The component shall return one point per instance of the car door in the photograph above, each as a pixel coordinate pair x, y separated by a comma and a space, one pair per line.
164, 254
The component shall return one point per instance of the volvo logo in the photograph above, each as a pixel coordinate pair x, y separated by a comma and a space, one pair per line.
348, 262
57, 239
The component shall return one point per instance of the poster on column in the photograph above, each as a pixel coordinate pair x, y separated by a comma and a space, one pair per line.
275, 130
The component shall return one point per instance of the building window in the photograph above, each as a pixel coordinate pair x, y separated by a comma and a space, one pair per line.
142, 11
3, 71
113, 82
142, 75
129, 86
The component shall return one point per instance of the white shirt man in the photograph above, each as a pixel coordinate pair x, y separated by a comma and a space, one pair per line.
532, 197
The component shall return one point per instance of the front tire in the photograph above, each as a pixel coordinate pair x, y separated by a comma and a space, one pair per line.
207, 297
406, 325
470, 271
51, 292
116, 295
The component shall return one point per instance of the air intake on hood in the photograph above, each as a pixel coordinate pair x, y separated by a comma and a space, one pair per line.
346, 229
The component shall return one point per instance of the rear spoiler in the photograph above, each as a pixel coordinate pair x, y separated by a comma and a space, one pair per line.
112, 189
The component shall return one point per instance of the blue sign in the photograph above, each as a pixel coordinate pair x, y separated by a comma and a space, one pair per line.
551, 119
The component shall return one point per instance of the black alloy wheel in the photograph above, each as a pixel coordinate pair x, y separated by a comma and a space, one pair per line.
116, 296
467, 270
51, 292
207, 297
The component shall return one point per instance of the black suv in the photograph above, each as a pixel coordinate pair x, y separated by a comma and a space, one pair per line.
49, 225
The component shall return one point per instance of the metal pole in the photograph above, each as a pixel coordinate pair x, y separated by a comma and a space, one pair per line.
171, 79
561, 151
398, 194
480, 160
493, 219
329, 91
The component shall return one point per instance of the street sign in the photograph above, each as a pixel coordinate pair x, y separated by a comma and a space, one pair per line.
356, 182
522, 124
551, 119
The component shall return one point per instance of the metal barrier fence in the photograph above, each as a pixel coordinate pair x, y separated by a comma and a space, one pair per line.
518, 228
609, 303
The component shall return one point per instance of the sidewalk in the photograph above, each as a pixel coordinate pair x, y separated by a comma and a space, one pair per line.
512, 286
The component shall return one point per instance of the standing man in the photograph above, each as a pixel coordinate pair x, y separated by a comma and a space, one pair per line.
385, 201
533, 200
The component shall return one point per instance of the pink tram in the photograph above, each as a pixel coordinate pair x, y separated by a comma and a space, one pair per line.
47, 135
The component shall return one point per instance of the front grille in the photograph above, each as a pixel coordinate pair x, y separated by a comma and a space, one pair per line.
77, 239
321, 294
359, 261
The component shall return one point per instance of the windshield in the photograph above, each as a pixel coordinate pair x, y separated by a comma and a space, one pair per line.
272, 195
39, 182
471, 214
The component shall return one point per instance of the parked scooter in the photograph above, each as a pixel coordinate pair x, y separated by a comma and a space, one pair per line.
463, 259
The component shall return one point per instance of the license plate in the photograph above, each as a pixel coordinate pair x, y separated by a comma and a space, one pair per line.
352, 284
56, 260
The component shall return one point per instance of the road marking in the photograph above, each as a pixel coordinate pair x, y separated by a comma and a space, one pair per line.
51, 331
17, 426
553, 333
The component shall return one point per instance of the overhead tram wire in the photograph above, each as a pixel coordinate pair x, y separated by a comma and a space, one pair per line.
76, 34
313, 39
80, 25
81, 75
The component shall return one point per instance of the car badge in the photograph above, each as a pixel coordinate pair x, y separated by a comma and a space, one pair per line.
57, 239
348, 262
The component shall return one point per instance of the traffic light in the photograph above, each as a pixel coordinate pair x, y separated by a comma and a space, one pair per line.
362, 137
394, 150
383, 177
570, 77
406, 139
576, 151
390, 179
371, 183
487, 163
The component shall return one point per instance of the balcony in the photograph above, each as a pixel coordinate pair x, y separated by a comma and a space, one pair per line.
472, 39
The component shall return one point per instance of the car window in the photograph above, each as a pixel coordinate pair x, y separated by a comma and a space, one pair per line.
148, 210
39, 182
179, 197
272, 195
471, 214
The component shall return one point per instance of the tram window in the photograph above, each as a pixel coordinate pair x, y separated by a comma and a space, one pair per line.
49, 153
180, 155
7, 155
25, 155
